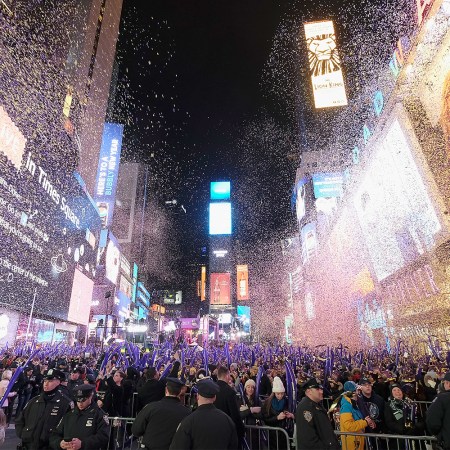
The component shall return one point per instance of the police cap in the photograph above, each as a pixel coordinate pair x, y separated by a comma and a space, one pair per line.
312, 384
364, 381
207, 388
84, 391
446, 377
175, 382
53, 374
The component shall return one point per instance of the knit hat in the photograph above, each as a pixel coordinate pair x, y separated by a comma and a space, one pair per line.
278, 385
249, 382
350, 386
392, 386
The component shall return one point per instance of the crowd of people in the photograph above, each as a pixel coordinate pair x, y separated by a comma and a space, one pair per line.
181, 397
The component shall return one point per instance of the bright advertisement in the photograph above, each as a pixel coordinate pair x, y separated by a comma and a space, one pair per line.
80, 299
220, 218
203, 284
48, 226
244, 318
398, 219
325, 65
327, 185
220, 289
242, 282
300, 199
309, 241
220, 190
108, 171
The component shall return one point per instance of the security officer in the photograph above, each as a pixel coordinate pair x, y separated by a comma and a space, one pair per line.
314, 429
158, 421
85, 427
42, 414
207, 427
438, 414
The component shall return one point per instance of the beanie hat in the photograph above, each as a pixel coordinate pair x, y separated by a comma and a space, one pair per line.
392, 386
349, 386
249, 382
278, 385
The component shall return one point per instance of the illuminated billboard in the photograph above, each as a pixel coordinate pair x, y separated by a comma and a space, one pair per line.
108, 171
220, 190
309, 241
395, 210
244, 318
203, 284
220, 289
242, 282
325, 65
327, 185
300, 199
112, 259
80, 300
220, 218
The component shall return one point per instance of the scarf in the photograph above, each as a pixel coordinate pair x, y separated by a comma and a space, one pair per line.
397, 408
278, 405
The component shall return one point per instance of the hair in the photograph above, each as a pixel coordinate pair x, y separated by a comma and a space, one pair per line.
121, 373
222, 371
151, 373
173, 389
7, 375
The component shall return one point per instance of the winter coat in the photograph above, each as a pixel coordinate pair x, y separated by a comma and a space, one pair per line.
352, 421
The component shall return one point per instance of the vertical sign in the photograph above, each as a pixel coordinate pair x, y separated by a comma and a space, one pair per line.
135, 282
220, 289
242, 282
325, 65
108, 171
203, 284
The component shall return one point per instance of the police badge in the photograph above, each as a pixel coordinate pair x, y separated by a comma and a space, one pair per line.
307, 415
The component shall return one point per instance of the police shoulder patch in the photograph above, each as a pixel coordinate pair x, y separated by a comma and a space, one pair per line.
105, 418
307, 415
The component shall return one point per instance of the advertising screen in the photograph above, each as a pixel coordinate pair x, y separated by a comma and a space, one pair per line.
203, 284
80, 300
220, 218
242, 282
244, 318
324, 65
220, 289
220, 190
225, 318
309, 241
112, 259
397, 217
300, 199
108, 171
327, 184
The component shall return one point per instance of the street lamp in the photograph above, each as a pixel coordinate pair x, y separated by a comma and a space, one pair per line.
105, 329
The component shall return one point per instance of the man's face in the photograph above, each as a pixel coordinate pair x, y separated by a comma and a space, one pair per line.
315, 394
366, 389
447, 385
397, 393
117, 378
84, 402
49, 385
74, 376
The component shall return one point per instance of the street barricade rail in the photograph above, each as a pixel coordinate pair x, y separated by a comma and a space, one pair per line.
258, 437
374, 441
120, 437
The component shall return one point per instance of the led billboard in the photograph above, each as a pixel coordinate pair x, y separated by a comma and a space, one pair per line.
220, 190
242, 282
394, 208
203, 284
300, 199
325, 65
244, 318
108, 171
309, 241
328, 185
220, 218
220, 289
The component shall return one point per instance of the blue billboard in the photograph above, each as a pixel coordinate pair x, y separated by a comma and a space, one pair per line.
220, 218
108, 171
328, 184
220, 190
243, 313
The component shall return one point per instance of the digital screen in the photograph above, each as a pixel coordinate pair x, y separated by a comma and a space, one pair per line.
242, 282
220, 190
220, 218
300, 199
112, 259
309, 241
220, 289
108, 171
80, 300
393, 206
328, 184
173, 297
244, 318
225, 318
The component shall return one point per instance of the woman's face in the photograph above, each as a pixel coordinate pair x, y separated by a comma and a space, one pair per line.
249, 390
279, 395
397, 393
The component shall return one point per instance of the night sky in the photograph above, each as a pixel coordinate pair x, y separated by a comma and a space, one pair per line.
213, 90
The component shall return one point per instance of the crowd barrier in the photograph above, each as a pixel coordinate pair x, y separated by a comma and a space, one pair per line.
258, 437
350, 441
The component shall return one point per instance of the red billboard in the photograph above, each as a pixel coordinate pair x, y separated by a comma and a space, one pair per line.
242, 282
220, 289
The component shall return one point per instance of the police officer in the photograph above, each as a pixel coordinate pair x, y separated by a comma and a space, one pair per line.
314, 429
42, 413
85, 427
158, 421
207, 427
438, 414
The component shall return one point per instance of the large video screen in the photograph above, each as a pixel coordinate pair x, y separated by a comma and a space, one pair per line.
220, 218
220, 190
397, 217
244, 318
220, 289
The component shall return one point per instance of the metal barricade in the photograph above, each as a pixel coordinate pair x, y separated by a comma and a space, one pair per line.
371, 441
120, 437
422, 407
259, 437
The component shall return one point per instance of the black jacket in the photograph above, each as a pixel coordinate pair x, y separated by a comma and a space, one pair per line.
39, 418
151, 391
438, 418
117, 398
158, 421
90, 426
314, 429
227, 401
206, 428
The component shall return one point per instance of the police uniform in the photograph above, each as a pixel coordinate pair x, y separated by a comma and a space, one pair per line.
207, 427
42, 414
158, 421
438, 416
314, 429
90, 425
